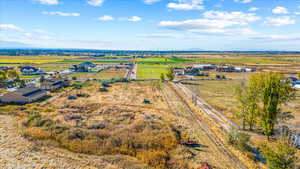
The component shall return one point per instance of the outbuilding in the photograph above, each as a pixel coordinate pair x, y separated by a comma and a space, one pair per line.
24, 95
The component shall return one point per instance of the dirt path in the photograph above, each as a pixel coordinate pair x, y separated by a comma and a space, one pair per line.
19, 153
215, 152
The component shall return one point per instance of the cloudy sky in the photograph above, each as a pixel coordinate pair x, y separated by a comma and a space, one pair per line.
152, 24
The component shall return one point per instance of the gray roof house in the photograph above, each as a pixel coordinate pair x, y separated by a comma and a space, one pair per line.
55, 84
24, 95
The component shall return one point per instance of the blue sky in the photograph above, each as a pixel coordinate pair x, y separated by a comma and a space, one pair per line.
152, 24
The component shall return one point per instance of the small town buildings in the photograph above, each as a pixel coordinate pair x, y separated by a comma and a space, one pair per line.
83, 67
55, 84
23, 96
30, 70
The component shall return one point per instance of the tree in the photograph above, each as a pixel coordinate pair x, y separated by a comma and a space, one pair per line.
280, 156
273, 91
170, 74
162, 77
3, 75
248, 99
13, 74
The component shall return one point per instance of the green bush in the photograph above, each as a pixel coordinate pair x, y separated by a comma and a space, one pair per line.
238, 140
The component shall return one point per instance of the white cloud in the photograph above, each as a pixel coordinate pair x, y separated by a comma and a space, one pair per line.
197, 24
10, 27
297, 13
178, 6
31, 36
163, 35
243, 1
95, 2
106, 18
279, 21
240, 31
48, 2
186, 5
134, 19
253, 9
60, 13
276, 37
241, 17
149, 2
280, 10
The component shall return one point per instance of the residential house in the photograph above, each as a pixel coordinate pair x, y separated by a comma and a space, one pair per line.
24, 95
205, 67
30, 70
83, 67
178, 71
55, 84
225, 69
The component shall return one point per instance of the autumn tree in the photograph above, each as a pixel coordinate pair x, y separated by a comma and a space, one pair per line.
13, 74
272, 91
248, 100
162, 77
279, 156
170, 74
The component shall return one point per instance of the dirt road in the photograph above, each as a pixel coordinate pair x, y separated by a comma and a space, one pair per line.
18, 153
215, 152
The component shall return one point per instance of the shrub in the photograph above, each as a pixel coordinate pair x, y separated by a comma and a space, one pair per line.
279, 156
238, 140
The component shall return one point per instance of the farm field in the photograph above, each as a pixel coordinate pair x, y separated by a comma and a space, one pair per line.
152, 71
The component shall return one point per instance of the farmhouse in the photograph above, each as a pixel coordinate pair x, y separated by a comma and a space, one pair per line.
83, 67
225, 69
204, 67
24, 95
5, 68
178, 71
55, 84
29, 70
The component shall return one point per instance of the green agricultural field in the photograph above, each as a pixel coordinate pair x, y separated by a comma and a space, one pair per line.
162, 60
151, 71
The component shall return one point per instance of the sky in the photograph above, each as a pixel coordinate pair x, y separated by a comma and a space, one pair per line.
152, 24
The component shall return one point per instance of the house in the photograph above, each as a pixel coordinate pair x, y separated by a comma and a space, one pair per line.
191, 71
225, 69
29, 70
55, 84
24, 95
178, 71
5, 68
296, 84
83, 67
204, 67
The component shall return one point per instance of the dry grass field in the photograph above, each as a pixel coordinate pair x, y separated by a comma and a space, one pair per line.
220, 94
119, 124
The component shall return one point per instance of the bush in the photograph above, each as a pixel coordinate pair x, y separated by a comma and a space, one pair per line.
280, 156
238, 140
103, 89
